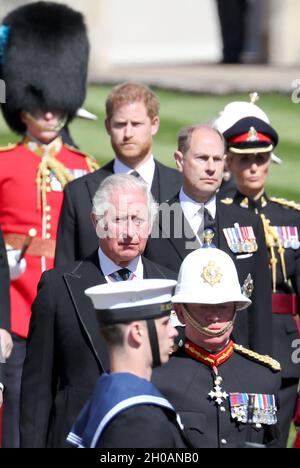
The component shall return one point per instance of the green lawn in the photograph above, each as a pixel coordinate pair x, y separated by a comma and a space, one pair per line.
180, 109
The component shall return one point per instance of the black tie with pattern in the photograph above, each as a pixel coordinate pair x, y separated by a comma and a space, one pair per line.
135, 174
209, 222
124, 273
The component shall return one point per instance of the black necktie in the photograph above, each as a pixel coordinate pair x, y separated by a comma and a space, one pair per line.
135, 174
209, 222
124, 273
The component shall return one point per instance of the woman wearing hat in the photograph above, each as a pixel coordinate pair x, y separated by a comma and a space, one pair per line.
250, 143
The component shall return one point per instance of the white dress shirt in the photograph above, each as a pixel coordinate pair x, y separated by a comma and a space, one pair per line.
192, 210
108, 267
146, 170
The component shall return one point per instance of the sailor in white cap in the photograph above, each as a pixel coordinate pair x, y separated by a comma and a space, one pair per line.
126, 410
251, 140
218, 387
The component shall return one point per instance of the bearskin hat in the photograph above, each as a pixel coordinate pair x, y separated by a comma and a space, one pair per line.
44, 61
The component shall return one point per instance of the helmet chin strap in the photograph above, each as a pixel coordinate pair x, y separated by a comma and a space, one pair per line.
41, 128
153, 343
204, 330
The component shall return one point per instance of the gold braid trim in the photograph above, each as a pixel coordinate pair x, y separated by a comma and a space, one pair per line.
227, 201
8, 147
270, 241
45, 167
262, 359
90, 160
92, 164
284, 202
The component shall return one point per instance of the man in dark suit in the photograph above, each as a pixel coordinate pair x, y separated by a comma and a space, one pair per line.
65, 355
200, 158
131, 122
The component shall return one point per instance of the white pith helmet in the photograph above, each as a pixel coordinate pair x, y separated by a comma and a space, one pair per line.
209, 276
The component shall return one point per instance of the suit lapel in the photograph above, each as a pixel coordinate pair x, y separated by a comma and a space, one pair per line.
152, 270
97, 177
86, 275
182, 237
156, 186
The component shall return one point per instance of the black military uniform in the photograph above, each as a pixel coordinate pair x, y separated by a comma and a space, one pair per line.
281, 221
282, 226
4, 290
252, 327
4, 296
212, 393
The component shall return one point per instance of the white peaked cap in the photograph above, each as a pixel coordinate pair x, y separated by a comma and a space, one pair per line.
209, 276
237, 110
131, 300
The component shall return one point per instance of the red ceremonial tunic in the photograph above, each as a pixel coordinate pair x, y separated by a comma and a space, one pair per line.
25, 205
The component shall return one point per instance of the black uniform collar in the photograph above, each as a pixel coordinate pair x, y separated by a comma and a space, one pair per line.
247, 202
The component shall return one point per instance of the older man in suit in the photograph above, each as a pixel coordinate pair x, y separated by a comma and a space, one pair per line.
132, 120
200, 157
65, 354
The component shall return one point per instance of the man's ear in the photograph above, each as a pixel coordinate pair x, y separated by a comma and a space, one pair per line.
155, 122
93, 219
178, 156
136, 333
179, 312
107, 126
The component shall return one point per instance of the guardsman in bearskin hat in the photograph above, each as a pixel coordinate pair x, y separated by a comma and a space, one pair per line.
126, 410
251, 141
225, 394
44, 57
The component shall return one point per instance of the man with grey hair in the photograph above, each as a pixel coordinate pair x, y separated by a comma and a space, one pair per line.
65, 354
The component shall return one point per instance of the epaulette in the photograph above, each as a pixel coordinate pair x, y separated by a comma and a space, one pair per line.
8, 147
262, 359
91, 161
288, 203
227, 201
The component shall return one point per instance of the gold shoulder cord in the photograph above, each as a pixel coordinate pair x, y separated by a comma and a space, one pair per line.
287, 203
261, 358
272, 238
61, 172
45, 167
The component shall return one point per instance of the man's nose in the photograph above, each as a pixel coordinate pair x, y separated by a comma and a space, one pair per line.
211, 165
130, 229
128, 131
48, 115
